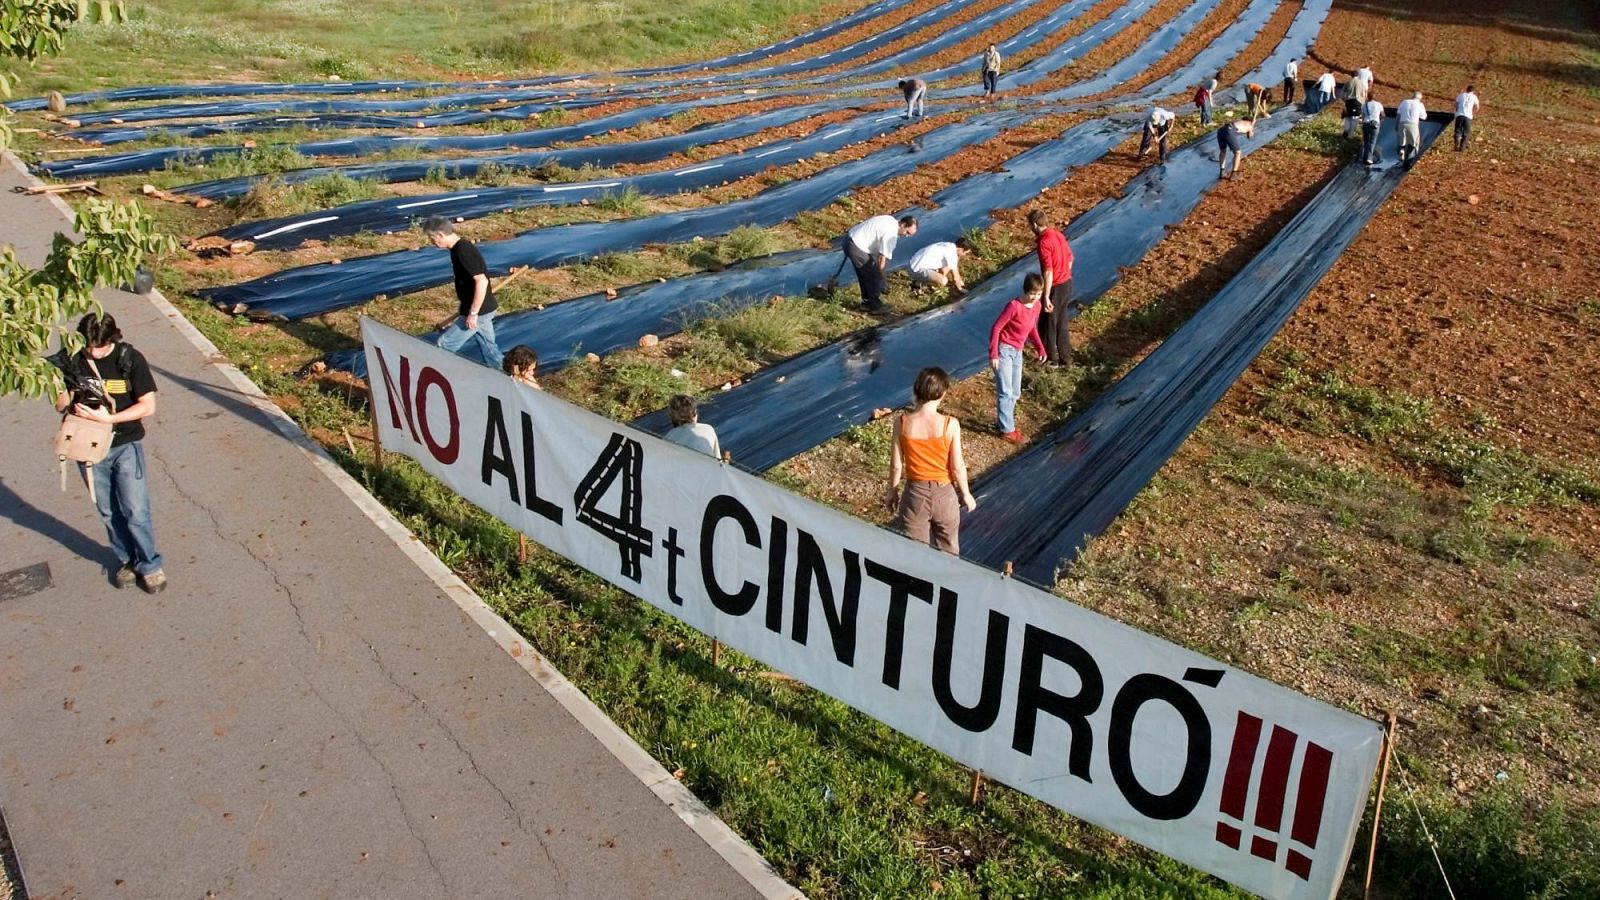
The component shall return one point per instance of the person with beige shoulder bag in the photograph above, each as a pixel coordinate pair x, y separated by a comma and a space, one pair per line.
109, 392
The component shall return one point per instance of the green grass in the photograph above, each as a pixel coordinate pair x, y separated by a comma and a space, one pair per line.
177, 40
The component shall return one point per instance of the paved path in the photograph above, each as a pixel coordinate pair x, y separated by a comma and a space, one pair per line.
315, 707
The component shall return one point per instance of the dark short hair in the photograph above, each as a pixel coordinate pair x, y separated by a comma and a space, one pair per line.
683, 409
1033, 282
99, 329
1038, 219
908, 221
1471, 88
518, 358
930, 385
437, 225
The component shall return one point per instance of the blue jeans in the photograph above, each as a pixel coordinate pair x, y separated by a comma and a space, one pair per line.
1369, 142
1008, 386
122, 497
1205, 112
458, 335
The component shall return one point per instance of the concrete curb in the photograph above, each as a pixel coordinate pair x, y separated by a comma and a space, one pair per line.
733, 849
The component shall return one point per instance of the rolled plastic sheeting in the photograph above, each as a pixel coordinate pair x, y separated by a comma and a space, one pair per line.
312, 290
1043, 506
798, 404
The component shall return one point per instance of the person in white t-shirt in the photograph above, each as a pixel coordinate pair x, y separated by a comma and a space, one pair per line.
939, 264
1466, 108
1408, 117
1325, 89
869, 246
1371, 126
1291, 74
1156, 128
688, 430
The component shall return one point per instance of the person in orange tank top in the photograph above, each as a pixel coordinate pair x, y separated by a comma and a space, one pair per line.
927, 452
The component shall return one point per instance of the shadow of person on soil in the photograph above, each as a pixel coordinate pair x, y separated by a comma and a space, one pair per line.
229, 398
36, 520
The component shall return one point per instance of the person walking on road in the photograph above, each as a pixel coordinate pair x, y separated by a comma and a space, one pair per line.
1325, 89
937, 265
1156, 128
1466, 108
869, 246
926, 450
1371, 127
1291, 74
120, 391
1055, 274
991, 71
1408, 117
1016, 326
1202, 101
915, 91
1255, 97
1229, 138
475, 304
687, 429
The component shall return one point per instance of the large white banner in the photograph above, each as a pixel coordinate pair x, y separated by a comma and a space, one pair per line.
1212, 766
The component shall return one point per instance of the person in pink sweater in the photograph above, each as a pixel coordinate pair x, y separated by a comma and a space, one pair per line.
1017, 325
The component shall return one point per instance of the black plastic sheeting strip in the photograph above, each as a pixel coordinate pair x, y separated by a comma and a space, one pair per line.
171, 92
791, 407
1043, 506
602, 325
438, 105
312, 290
398, 213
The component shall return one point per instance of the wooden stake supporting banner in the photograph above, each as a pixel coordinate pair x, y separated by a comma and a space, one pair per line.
977, 786
716, 652
522, 549
1390, 724
377, 439
348, 443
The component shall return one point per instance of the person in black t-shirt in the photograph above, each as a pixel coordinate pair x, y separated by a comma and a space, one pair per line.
474, 322
119, 389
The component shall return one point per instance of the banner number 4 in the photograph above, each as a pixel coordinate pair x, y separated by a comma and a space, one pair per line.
625, 457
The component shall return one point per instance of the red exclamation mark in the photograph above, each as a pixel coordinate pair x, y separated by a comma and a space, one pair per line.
1309, 798
1274, 783
1236, 782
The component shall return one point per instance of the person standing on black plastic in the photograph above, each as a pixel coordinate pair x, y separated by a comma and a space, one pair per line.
915, 90
991, 71
1371, 127
1157, 127
1408, 118
474, 321
1055, 273
125, 398
869, 246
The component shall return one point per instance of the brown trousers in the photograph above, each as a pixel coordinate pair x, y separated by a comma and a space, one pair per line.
931, 512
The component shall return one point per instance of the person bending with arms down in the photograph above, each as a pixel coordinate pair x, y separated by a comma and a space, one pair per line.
869, 246
937, 265
1229, 139
927, 451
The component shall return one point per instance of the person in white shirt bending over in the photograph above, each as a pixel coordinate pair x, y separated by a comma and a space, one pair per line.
688, 430
1291, 74
869, 246
1409, 115
1156, 128
1371, 125
1466, 108
937, 265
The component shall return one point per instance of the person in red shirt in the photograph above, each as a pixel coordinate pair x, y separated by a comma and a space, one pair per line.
1055, 268
1202, 101
1017, 325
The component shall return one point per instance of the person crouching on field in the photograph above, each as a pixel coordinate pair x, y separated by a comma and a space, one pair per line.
939, 264
1017, 324
927, 451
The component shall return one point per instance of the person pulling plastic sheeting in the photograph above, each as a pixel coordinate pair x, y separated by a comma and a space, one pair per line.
916, 92
1408, 118
1325, 91
926, 450
868, 247
1230, 139
474, 321
1157, 126
1042, 506
1371, 127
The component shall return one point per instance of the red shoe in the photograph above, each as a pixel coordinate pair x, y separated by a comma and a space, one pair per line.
1014, 435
